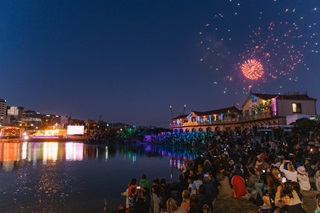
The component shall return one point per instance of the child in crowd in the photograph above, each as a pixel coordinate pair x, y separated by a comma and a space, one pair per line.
144, 183
291, 202
133, 197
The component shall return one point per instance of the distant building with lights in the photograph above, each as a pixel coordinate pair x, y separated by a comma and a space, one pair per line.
51, 120
3, 111
258, 110
32, 120
14, 115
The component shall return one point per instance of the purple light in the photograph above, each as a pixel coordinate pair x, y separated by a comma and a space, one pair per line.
45, 137
274, 106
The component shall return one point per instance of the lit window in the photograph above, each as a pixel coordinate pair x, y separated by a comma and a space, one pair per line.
296, 108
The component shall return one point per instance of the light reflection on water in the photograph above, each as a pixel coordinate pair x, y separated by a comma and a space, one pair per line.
76, 177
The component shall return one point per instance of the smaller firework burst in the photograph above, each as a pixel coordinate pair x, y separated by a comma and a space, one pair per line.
252, 69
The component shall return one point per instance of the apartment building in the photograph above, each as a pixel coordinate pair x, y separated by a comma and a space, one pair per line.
3, 111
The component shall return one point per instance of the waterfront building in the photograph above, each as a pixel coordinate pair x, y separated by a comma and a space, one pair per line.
3, 111
277, 110
258, 110
196, 121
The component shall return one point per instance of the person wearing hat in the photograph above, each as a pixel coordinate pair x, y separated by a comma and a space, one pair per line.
303, 178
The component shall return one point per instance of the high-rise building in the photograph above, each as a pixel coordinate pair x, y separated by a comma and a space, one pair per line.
3, 111
14, 115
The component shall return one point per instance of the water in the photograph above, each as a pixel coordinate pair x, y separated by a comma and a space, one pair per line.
76, 177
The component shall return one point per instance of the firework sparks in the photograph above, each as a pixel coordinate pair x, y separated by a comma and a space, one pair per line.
279, 46
252, 69
285, 40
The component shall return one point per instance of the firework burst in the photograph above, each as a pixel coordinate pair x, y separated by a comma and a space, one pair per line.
252, 69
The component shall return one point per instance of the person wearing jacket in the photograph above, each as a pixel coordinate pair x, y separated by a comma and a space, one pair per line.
239, 186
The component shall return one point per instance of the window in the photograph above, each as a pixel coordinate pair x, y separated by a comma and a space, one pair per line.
296, 108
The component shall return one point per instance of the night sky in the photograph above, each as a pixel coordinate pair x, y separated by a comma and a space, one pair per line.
128, 61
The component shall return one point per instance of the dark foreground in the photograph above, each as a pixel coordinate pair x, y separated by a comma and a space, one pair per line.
233, 205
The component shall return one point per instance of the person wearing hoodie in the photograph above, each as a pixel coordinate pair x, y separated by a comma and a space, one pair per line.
144, 183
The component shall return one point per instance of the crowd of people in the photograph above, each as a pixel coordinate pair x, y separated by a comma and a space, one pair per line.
270, 173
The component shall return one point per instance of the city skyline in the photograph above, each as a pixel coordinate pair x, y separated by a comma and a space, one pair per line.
130, 61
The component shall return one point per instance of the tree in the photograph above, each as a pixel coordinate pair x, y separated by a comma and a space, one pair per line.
304, 127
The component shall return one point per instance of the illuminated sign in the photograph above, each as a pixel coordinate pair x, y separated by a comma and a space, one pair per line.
75, 130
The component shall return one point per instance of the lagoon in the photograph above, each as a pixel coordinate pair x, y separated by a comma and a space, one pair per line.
78, 177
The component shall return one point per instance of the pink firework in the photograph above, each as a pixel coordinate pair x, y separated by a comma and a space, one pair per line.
252, 69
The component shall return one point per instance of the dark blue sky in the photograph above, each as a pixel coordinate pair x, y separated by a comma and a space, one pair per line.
128, 61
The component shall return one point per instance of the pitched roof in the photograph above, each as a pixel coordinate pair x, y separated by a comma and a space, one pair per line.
180, 116
293, 96
211, 112
218, 111
296, 97
265, 96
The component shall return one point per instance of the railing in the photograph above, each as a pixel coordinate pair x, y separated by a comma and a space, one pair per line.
261, 115
216, 122
175, 125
